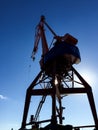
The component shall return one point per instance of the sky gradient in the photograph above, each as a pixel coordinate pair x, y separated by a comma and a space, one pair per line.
18, 19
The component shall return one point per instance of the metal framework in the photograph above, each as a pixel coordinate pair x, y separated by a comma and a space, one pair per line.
66, 85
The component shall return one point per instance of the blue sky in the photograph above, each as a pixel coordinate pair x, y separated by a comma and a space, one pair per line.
18, 19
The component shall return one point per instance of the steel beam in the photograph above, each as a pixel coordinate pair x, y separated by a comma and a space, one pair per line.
49, 91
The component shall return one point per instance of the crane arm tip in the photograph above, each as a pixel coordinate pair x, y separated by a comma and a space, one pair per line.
42, 18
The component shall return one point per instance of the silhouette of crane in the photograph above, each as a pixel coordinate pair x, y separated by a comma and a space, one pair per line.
57, 78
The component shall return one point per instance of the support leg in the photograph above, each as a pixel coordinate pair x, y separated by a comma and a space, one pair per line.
27, 100
90, 96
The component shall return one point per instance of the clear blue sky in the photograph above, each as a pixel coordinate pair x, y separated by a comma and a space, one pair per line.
18, 19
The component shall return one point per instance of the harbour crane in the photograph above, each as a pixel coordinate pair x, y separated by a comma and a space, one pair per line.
56, 79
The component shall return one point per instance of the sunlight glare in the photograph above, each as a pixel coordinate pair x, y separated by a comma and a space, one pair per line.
89, 76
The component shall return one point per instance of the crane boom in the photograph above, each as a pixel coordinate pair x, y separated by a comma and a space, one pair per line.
40, 34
